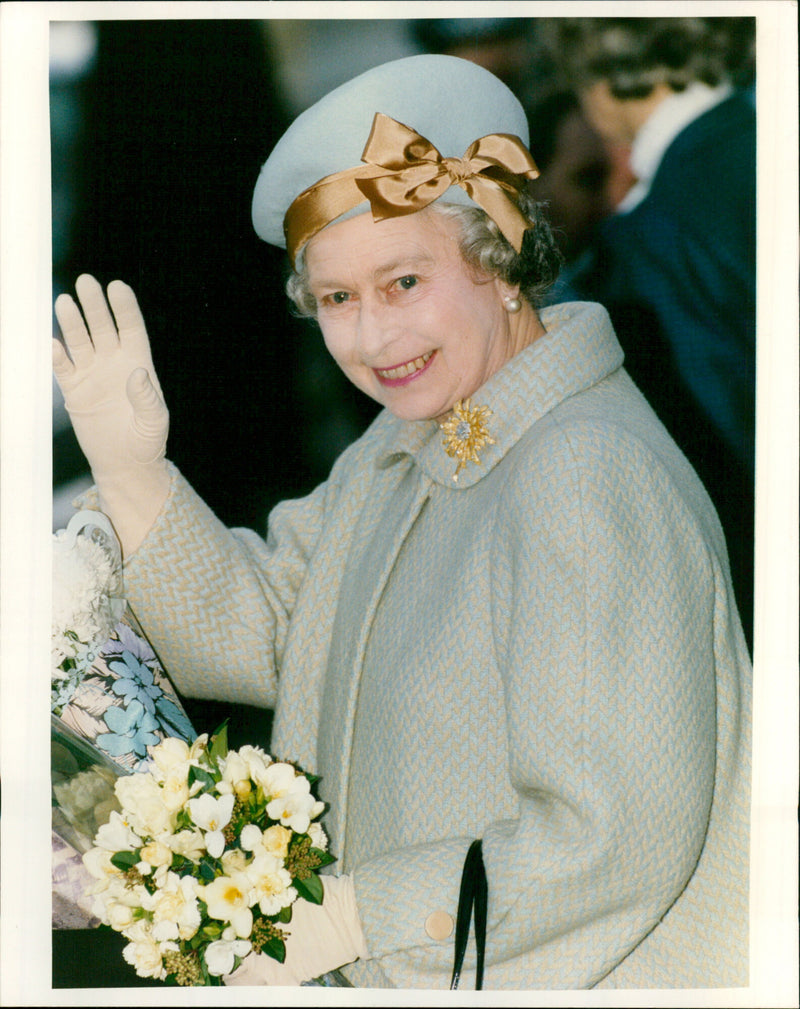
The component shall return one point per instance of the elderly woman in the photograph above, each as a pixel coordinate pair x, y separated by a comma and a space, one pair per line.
506, 616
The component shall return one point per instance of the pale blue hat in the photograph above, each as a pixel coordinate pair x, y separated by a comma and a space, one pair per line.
450, 102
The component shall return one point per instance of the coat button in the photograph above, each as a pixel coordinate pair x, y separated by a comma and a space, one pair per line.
439, 925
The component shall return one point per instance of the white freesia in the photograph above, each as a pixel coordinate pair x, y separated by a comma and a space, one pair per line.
227, 900
169, 754
117, 902
233, 861
118, 915
188, 843
100, 867
295, 807
275, 840
280, 778
142, 799
271, 884
212, 816
143, 952
155, 854
173, 757
175, 791
220, 955
319, 839
257, 762
235, 776
250, 837
117, 834
176, 913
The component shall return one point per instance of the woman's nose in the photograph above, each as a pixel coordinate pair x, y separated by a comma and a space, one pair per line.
375, 328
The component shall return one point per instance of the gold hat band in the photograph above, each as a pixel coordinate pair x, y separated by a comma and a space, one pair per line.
403, 172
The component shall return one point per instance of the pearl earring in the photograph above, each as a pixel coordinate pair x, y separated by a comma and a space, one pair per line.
512, 305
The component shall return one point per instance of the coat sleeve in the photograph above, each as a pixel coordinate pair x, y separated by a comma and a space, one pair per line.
217, 602
603, 595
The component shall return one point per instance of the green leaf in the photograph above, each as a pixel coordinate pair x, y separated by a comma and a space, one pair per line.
310, 889
207, 870
125, 860
181, 865
276, 948
201, 774
284, 915
219, 743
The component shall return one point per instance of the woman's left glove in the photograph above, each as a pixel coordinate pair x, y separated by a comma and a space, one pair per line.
321, 938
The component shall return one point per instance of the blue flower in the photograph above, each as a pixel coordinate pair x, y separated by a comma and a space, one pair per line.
132, 731
127, 640
136, 681
87, 655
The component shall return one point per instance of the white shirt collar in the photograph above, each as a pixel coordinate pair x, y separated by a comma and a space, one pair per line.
666, 122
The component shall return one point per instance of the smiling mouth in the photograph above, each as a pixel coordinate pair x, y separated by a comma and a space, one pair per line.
404, 371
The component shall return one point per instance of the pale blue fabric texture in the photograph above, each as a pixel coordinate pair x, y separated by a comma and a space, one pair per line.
545, 654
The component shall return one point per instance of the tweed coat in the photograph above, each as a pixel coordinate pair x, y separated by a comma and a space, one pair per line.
545, 654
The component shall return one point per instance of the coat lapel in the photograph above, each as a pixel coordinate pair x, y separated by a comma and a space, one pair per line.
373, 554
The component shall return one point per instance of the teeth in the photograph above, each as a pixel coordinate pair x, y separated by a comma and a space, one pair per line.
405, 369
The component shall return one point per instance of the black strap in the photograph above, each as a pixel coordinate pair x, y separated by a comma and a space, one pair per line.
473, 896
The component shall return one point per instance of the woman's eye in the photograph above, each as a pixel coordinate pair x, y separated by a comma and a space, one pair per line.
406, 283
338, 297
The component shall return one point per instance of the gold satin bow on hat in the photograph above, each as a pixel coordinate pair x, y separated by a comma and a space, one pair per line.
403, 172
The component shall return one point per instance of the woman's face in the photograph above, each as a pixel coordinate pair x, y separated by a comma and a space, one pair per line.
404, 317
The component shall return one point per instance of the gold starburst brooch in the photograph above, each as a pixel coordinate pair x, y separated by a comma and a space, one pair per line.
465, 433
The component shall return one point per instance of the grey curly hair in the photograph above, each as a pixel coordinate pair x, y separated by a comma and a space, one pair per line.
483, 247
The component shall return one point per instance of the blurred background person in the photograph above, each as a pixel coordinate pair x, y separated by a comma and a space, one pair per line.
675, 263
577, 181
582, 178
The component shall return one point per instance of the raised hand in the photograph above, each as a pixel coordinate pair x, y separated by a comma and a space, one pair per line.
114, 400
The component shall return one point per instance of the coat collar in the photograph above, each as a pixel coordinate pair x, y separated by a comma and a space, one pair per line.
578, 349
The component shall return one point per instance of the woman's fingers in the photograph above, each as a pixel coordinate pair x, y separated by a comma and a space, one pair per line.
126, 309
73, 329
62, 365
130, 324
90, 329
99, 319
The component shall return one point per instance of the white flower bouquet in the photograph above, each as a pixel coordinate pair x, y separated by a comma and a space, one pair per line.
204, 859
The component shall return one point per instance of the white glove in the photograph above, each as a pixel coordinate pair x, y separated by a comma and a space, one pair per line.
115, 404
321, 938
